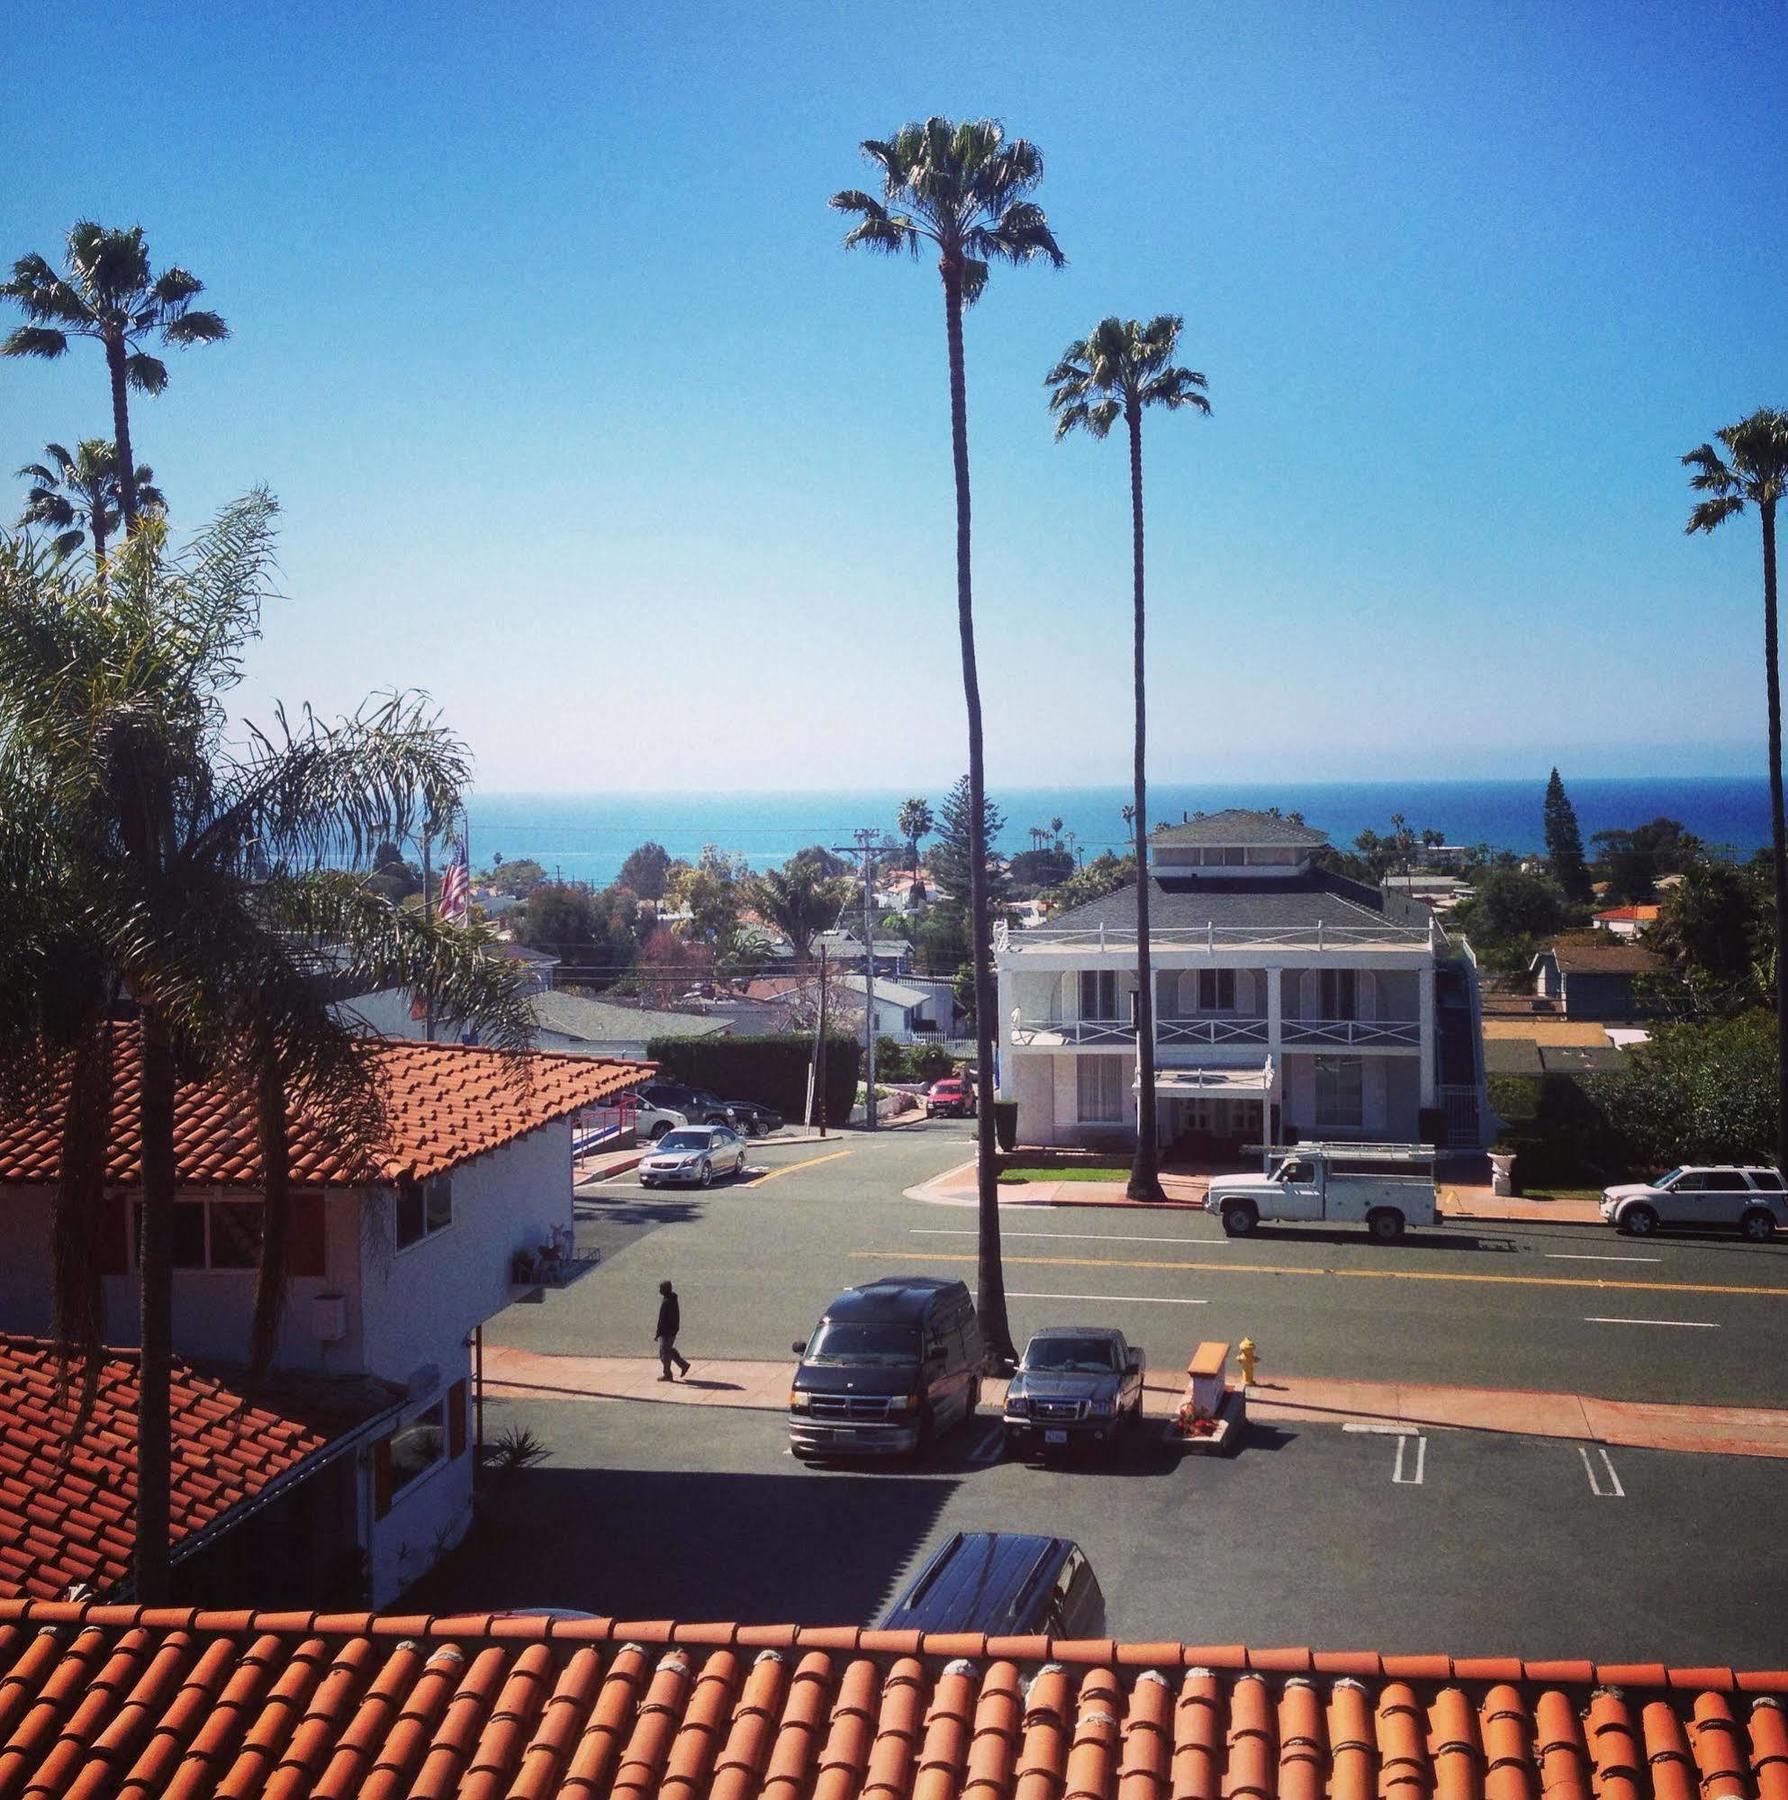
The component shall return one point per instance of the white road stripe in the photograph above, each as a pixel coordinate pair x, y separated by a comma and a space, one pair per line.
1567, 1256
1684, 1324
987, 1449
1088, 1237
1139, 1299
1398, 1478
1613, 1490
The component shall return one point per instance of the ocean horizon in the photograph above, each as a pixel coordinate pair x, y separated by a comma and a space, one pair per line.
586, 837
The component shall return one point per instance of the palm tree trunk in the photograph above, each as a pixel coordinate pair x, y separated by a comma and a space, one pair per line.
276, 1214
126, 456
155, 1257
1778, 843
990, 1298
1145, 1171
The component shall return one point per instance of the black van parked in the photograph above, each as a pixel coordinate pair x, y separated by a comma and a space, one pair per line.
1005, 1584
892, 1364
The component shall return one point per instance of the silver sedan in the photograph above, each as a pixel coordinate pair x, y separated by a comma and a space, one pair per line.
693, 1156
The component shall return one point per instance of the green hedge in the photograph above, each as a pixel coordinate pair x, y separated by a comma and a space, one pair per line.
771, 1070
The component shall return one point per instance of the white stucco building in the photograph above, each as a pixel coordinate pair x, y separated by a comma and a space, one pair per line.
1288, 1000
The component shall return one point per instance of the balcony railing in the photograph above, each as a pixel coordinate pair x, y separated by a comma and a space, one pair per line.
1216, 1028
1353, 934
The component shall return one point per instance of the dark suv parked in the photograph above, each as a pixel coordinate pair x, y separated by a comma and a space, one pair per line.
697, 1105
1006, 1584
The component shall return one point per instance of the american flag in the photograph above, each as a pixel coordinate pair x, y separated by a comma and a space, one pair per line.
456, 888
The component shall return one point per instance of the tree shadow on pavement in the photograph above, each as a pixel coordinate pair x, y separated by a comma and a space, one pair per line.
651, 1544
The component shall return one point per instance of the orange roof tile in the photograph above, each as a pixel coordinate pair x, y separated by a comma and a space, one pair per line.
181, 1702
444, 1104
66, 1514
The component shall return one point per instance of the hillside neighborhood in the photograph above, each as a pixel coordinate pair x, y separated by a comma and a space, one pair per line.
552, 1245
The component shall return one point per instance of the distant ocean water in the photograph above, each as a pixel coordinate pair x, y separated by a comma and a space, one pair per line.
586, 837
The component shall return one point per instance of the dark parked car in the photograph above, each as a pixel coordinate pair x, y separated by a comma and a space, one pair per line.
755, 1120
1005, 1584
697, 1105
892, 1364
1076, 1384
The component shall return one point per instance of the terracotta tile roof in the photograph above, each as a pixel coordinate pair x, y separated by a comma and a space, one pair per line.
182, 1704
66, 1515
445, 1103
1645, 914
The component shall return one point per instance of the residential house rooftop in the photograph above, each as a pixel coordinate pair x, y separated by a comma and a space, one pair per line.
1236, 825
182, 1703
1602, 959
67, 1508
603, 1022
1301, 902
444, 1105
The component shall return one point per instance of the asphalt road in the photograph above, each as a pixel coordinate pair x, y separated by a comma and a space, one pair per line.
1563, 1307
1463, 1542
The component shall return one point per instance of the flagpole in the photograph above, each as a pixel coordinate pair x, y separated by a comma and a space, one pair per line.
428, 913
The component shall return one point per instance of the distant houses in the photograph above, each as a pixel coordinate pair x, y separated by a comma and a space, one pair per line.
1595, 981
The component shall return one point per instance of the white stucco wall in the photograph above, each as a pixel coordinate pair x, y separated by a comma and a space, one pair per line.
426, 1519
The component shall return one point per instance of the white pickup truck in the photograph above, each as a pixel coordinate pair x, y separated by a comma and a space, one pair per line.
1316, 1182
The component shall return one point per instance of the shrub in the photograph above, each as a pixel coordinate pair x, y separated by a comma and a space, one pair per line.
771, 1069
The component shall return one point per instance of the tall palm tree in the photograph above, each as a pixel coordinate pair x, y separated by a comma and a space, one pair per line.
110, 294
964, 189
77, 496
200, 883
915, 820
1753, 472
1121, 368
799, 901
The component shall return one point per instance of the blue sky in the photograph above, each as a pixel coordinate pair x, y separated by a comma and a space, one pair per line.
582, 420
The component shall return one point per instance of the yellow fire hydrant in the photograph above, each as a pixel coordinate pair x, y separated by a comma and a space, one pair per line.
1247, 1360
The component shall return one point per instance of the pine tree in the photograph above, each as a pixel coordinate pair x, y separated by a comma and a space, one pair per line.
951, 859
1564, 843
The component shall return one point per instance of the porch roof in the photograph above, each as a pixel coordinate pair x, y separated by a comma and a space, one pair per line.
1208, 1083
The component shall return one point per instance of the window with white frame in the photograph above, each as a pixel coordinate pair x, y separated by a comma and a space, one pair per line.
1216, 990
1101, 1089
423, 1208
1098, 994
1338, 993
1340, 1092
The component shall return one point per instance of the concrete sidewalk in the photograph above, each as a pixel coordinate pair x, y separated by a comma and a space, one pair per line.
1185, 1193
1581, 1418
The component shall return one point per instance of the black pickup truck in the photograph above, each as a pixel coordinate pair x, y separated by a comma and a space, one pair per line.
1077, 1384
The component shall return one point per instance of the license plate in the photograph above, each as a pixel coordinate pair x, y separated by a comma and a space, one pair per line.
1055, 1437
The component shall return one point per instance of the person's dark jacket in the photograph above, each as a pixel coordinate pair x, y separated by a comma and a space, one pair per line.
670, 1317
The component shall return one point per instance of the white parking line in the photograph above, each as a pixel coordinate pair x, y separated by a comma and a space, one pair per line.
1613, 1490
1682, 1324
1088, 1237
987, 1447
1126, 1299
1567, 1256
1398, 1478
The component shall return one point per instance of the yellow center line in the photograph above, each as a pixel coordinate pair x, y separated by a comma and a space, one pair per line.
1239, 1268
790, 1168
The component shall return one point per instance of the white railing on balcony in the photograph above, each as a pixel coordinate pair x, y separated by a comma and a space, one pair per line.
1352, 935
1353, 1033
1211, 1029
1073, 1031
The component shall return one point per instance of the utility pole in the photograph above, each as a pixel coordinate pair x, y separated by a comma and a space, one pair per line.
428, 913
868, 842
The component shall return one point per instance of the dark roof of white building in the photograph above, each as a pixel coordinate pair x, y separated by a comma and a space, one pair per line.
1237, 825
1190, 902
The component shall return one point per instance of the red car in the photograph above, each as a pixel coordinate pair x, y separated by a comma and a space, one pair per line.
951, 1098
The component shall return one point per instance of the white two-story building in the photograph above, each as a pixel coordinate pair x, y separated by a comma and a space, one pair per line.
1290, 1003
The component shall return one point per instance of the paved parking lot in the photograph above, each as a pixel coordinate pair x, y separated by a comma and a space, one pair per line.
1454, 1541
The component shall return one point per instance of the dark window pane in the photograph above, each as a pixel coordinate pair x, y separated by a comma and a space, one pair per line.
439, 1207
235, 1234
1768, 1180
189, 1234
409, 1212
417, 1444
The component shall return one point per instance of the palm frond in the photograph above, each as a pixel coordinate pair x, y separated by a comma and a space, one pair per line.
1712, 513
147, 374
34, 340
195, 328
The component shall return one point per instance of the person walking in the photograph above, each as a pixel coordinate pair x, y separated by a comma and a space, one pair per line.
670, 1322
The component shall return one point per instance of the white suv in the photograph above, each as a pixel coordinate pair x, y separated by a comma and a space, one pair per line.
1710, 1194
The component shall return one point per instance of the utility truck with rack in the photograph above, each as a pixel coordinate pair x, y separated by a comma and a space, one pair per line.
1385, 1187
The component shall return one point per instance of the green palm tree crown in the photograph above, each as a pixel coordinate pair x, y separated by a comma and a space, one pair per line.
1121, 367
110, 294
77, 495
1754, 469
964, 188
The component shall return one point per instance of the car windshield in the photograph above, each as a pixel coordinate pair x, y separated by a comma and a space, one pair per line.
841, 1341
1078, 1355
1671, 1179
685, 1140
1295, 1169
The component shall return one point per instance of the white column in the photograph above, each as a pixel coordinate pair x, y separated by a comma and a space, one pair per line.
1275, 981
1425, 1011
1002, 1028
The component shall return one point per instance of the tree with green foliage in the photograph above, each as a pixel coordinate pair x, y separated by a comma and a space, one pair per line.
1105, 874
712, 890
965, 190
1564, 843
1119, 370
518, 879
593, 931
914, 821
148, 861
798, 902
646, 870
1630, 862
953, 857
1697, 1093
109, 293
77, 496
1753, 472
1508, 914
1717, 927
393, 878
